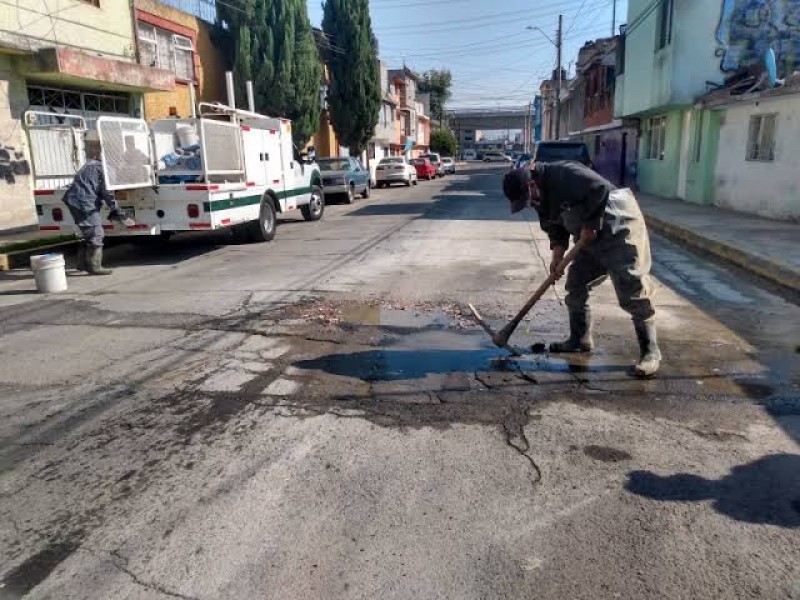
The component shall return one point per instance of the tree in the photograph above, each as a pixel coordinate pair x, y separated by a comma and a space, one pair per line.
274, 48
444, 142
354, 97
437, 83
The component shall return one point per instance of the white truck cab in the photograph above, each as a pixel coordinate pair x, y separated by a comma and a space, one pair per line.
225, 168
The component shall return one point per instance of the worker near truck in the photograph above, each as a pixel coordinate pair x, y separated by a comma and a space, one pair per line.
84, 199
573, 200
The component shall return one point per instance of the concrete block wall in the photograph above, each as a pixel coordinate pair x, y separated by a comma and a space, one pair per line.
17, 209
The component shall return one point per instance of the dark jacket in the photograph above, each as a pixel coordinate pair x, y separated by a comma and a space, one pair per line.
572, 196
88, 190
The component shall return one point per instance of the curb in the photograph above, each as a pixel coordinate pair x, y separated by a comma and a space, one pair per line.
773, 271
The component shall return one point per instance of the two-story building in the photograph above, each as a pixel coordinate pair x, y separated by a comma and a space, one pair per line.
81, 61
414, 138
706, 148
180, 42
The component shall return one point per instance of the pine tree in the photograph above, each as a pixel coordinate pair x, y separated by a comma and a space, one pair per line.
274, 48
354, 97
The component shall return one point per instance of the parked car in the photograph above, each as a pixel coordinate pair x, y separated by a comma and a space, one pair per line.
436, 161
395, 169
497, 157
449, 165
469, 154
344, 177
425, 169
562, 150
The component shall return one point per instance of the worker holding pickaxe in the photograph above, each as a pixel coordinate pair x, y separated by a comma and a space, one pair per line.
612, 240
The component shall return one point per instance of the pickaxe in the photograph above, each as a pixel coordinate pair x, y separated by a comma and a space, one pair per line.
500, 338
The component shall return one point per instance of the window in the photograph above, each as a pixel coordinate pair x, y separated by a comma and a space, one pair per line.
166, 50
655, 134
761, 138
665, 23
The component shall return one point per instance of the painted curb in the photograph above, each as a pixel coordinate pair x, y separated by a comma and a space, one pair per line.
773, 271
21, 258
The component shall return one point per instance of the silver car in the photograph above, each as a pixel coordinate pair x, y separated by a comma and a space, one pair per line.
395, 169
449, 165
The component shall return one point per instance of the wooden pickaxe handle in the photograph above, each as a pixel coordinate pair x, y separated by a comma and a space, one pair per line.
501, 337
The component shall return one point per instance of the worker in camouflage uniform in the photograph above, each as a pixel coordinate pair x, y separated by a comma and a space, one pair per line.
572, 199
84, 199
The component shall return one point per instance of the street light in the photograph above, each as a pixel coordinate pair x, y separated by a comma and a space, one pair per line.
557, 44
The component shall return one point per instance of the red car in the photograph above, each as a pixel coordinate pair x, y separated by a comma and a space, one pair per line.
424, 168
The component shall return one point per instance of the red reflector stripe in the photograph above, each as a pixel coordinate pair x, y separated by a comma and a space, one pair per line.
200, 225
245, 128
139, 226
108, 227
203, 187
276, 181
44, 192
49, 228
251, 184
226, 221
273, 131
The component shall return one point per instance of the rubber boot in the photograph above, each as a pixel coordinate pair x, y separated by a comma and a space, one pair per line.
580, 334
82, 264
650, 355
95, 258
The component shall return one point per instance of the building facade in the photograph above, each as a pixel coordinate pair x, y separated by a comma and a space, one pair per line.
676, 54
80, 62
181, 43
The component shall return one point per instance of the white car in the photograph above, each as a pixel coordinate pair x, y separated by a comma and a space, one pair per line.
395, 169
497, 157
469, 155
449, 165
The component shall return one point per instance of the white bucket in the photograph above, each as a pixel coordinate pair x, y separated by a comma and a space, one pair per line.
187, 136
49, 273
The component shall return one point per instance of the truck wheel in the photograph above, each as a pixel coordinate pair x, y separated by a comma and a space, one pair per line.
263, 230
351, 194
316, 206
367, 189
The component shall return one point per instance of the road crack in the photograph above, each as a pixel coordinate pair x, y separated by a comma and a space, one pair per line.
514, 430
121, 564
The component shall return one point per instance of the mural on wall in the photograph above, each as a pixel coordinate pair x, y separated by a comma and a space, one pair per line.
12, 163
748, 28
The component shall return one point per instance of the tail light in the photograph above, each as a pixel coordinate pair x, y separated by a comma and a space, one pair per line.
193, 210
58, 214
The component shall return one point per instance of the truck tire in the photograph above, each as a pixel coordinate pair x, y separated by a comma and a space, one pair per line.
263, 230
315, 208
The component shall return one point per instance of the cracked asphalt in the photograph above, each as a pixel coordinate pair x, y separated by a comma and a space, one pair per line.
318, 417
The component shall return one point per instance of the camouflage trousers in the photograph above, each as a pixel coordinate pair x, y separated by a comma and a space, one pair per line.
621, 252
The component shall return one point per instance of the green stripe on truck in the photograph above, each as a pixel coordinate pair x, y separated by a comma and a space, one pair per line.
215, 205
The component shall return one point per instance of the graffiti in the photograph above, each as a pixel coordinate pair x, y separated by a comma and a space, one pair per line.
12, 163
748, 28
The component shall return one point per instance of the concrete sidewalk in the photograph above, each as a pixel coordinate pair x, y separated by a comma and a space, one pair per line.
769, 249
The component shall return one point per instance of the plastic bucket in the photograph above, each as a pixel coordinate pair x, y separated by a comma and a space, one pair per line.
49, 273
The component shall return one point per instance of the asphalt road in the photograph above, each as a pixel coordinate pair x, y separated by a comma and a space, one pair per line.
317, 417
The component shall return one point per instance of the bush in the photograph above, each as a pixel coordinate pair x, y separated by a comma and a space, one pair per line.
444, 142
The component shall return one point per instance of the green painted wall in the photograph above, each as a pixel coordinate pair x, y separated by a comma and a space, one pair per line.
660, 177
700, 178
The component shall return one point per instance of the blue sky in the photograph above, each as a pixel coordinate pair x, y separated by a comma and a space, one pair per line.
494, 59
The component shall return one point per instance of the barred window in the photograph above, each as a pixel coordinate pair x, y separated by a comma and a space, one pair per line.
166, 50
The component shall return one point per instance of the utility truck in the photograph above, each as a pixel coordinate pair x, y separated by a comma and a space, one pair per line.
223, 168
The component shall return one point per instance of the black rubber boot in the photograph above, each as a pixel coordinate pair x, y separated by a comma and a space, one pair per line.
82, 264
650, 355
580, 334
95, 258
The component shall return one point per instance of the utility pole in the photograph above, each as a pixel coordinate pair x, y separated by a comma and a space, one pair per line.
529, 129
613, 17
558, 76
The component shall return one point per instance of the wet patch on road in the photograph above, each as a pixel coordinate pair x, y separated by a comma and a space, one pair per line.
606, 453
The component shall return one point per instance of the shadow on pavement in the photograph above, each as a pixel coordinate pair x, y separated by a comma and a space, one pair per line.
765, 491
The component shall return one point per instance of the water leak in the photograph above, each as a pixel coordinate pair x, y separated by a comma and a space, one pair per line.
433, 345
